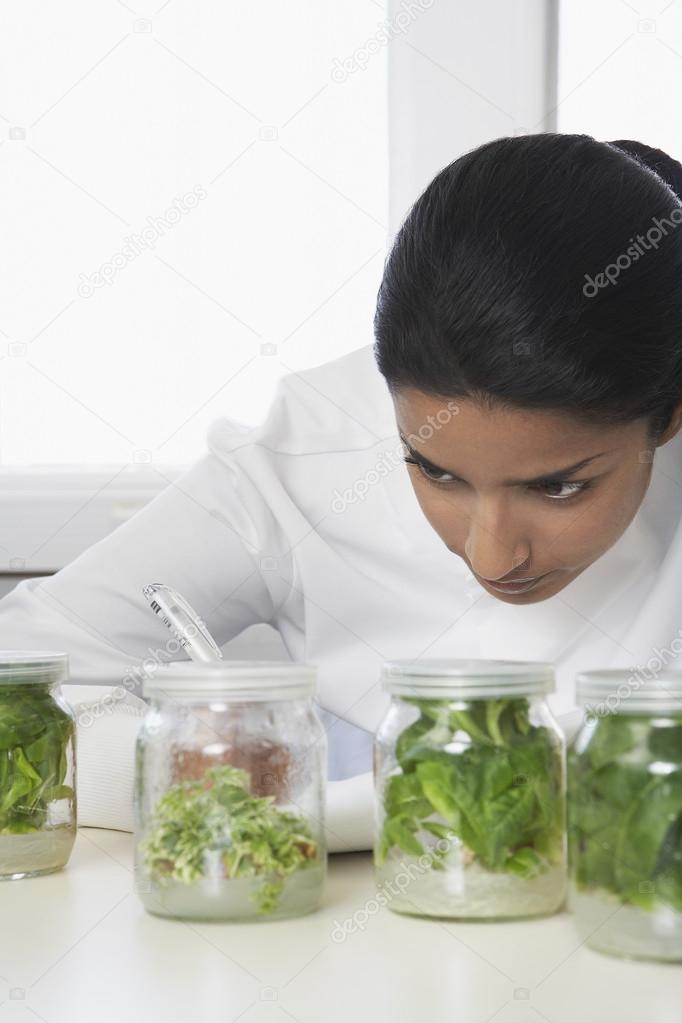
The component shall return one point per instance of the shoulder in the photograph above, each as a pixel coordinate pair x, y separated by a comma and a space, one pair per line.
340, 405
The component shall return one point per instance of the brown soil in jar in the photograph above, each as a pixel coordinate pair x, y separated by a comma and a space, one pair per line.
268, 764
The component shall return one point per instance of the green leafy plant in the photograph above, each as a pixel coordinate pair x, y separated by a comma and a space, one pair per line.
196, 823
499, 792
34, 737
625, 818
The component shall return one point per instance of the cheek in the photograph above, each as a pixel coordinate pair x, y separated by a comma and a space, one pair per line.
620, 504
581, 534
567, 537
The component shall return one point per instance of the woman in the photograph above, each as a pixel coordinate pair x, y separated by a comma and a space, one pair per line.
529, 349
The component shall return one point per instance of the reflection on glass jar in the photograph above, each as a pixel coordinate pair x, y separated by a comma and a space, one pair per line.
470, 781
231, 767
625, 814
37, 765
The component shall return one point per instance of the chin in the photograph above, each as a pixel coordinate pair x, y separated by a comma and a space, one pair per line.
532, 597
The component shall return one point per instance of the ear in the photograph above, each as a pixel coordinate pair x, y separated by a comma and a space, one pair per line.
673, 427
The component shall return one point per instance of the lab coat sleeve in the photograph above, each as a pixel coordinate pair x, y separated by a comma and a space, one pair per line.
204, 535
197, 536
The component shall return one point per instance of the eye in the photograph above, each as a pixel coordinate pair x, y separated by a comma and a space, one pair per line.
562, 490
434, 475
552, 490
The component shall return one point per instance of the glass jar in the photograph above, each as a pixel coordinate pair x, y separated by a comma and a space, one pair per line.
37, 765
231, 768
625, 814
470, 781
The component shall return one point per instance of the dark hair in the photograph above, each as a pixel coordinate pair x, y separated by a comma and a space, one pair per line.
485, 292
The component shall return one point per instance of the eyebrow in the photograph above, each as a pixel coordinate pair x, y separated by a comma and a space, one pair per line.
548, 477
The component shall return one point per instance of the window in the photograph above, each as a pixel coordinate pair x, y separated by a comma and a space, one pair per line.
195, 203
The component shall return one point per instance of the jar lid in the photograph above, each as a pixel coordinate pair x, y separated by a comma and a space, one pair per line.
240, 680
630, 691
467, 679
19, 667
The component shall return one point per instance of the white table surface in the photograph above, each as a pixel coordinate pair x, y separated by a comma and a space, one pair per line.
78, 945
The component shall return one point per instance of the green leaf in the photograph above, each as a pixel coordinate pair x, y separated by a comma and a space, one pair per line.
668, 871
665, 742
438, 784
613, 737
34, 736
465, 721
526, 863
493, 709
217, 814
404, 795
399, 834
439, 830
643, 830
506, 821
423, 739
625, 822
499, 792
494, 774
24, 766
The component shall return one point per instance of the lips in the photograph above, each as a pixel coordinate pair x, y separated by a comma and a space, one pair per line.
515, 586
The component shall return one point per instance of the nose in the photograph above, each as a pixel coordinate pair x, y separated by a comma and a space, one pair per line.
496, 548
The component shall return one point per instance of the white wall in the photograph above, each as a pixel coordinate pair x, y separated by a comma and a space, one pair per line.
620, 71
465, 72
198, 206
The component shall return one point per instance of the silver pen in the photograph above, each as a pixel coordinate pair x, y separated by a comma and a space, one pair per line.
183, 621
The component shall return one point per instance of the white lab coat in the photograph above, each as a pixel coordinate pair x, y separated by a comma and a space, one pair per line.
309, 522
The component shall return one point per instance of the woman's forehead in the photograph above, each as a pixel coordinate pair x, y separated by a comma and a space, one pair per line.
463, 432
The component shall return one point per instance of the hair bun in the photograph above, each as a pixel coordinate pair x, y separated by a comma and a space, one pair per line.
665, 166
